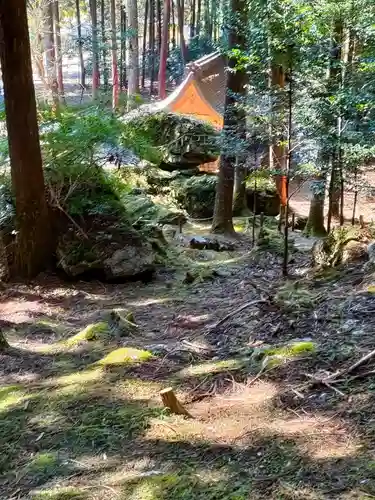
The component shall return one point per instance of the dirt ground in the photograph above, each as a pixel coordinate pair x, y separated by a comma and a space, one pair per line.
300, 201
75, 424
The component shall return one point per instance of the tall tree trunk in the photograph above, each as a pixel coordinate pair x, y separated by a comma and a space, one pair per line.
277, 157
59, 62
158, 8
115, 78
133, 78
173, 24
239, 196
50, 58
199, 18
180, 16
144, 47
334, 83
80, 46
234, 119
192, 19
315, 221
123, 83
152, 45
104, 45
164, 51
95, 49
34, 243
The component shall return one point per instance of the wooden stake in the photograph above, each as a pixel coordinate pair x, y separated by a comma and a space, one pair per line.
361, 222
293, 221
170, 401
261, 222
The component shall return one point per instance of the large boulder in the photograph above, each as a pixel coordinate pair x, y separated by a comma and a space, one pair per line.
172, 141
140, 208
106, 248
196, 195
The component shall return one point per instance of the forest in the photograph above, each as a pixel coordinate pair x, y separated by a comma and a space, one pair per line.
187, 249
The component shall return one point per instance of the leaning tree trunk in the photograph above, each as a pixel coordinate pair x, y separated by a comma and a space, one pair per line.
133, 78
115, 78
234, 120
34, 244
95, 49
49, 51
59, 65
164, 51
180, 19
80, 46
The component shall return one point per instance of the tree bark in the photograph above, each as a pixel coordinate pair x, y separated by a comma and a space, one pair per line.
234, 120
180, 18
49, 52
59, 62
164, 51
115, 78
158, 9
173, 24
192, 19
239, 196
80, 46
95, 49
152, 45
199, 18
104, 45
144, 47
34, 243
133, 78
315, 221
123, 83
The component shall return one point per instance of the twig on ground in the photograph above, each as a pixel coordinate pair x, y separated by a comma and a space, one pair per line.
352, 367
236, 311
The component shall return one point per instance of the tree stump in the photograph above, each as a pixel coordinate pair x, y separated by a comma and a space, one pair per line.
170, 401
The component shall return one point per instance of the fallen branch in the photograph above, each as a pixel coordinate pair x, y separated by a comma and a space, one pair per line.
170, 401
236, 311
352, 367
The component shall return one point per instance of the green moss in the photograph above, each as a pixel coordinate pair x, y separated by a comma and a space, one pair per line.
125, 356
92, 332
60, 494
294, 349
11, 396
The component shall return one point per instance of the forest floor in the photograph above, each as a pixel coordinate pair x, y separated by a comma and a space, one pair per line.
77, 424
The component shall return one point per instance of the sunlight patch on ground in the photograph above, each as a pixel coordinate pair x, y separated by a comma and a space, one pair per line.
11, 396
150, 302
79, 377
210, 367
125, 356
59, 494
137, 389
90, 333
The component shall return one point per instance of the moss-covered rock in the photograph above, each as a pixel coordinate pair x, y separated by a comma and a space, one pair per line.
170, 140
92, 332
125, 356
141, 208
342, 245
196, 195
107, 249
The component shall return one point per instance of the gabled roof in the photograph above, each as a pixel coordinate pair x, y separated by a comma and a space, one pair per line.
202, 92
